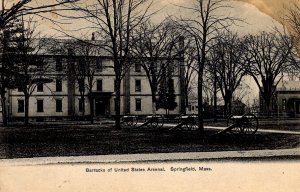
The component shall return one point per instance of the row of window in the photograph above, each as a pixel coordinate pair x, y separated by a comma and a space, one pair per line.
138, 105
39, 105
99, 65
81, 106
138, 85
40, 86
59, 65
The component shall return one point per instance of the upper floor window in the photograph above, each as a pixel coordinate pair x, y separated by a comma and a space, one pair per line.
99, 64
40, 66
58, 105
40, 87
138, 86
81, 66
58, 65
138, 68
58, 85
81, 85
171, 82
40, 105
99, 85
21, 106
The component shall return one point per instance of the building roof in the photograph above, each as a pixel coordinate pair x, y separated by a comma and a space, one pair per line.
52, 46
288, 86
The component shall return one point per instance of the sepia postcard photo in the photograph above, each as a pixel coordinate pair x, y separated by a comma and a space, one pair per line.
149, 95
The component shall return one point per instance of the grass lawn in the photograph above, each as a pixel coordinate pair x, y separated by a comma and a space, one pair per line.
77, 140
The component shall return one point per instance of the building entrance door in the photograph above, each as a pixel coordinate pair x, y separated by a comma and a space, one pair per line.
297, 107
101, 106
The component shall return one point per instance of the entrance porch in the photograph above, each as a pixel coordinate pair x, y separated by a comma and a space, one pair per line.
102, 103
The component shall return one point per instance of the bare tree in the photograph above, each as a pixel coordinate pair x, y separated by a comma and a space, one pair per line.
269, 56
293, 19
10, 10
8, 71
155, 48
114, 22
85, 71
203, 29
190, 72
9, 13
29, 66
228, 61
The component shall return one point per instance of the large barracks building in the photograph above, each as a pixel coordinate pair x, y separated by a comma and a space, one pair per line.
61, 98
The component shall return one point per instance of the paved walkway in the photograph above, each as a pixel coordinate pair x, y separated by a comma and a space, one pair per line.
161, 157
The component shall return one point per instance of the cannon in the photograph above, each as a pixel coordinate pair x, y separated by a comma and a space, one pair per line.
187, 122
246, 124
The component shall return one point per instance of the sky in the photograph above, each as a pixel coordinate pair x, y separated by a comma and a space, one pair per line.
257, 13
273, 8
260, 15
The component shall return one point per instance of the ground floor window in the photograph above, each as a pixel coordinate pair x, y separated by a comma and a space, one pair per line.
58, 105
138, 104
115, 101
40, 105
81, 105
20, 106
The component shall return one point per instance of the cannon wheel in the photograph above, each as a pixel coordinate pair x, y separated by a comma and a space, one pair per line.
236, 129
134, 121
130, 122
249, 124
192, 125
154, 122
158, 121
161, 122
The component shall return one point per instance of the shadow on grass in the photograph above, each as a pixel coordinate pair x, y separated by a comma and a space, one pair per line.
93, 140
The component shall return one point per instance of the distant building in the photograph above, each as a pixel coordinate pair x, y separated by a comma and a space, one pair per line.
61, 98
285, 100
288, 98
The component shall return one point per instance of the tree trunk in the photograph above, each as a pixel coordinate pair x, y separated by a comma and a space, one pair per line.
200, 103
153, 95
268, 107
83, 104
117, 103
230, 106
154, 103
225, 108
26, 118
215, 99
4, 111
186, 97
91, 99
153, 107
